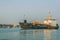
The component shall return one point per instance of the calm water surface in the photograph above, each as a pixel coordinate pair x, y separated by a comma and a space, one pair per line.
33, 34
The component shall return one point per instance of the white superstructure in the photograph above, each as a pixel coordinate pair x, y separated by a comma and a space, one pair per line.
49, 20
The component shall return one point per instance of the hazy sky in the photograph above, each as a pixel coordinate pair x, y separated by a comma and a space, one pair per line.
12, 11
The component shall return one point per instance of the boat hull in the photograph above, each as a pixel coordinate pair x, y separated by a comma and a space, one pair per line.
30, 26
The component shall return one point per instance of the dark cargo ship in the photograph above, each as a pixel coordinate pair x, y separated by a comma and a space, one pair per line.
48, 23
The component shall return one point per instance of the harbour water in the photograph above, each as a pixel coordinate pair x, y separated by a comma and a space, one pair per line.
31, 34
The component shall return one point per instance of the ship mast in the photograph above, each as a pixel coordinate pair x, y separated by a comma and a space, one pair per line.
49, 15
25, 21
24, 17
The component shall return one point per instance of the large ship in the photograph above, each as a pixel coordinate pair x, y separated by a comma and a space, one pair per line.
49, 23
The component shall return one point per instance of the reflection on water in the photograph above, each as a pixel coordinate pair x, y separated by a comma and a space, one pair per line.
48, 34
33, 34
38, 35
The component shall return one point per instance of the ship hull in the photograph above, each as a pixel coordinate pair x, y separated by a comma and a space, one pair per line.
30, 26
39, 27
